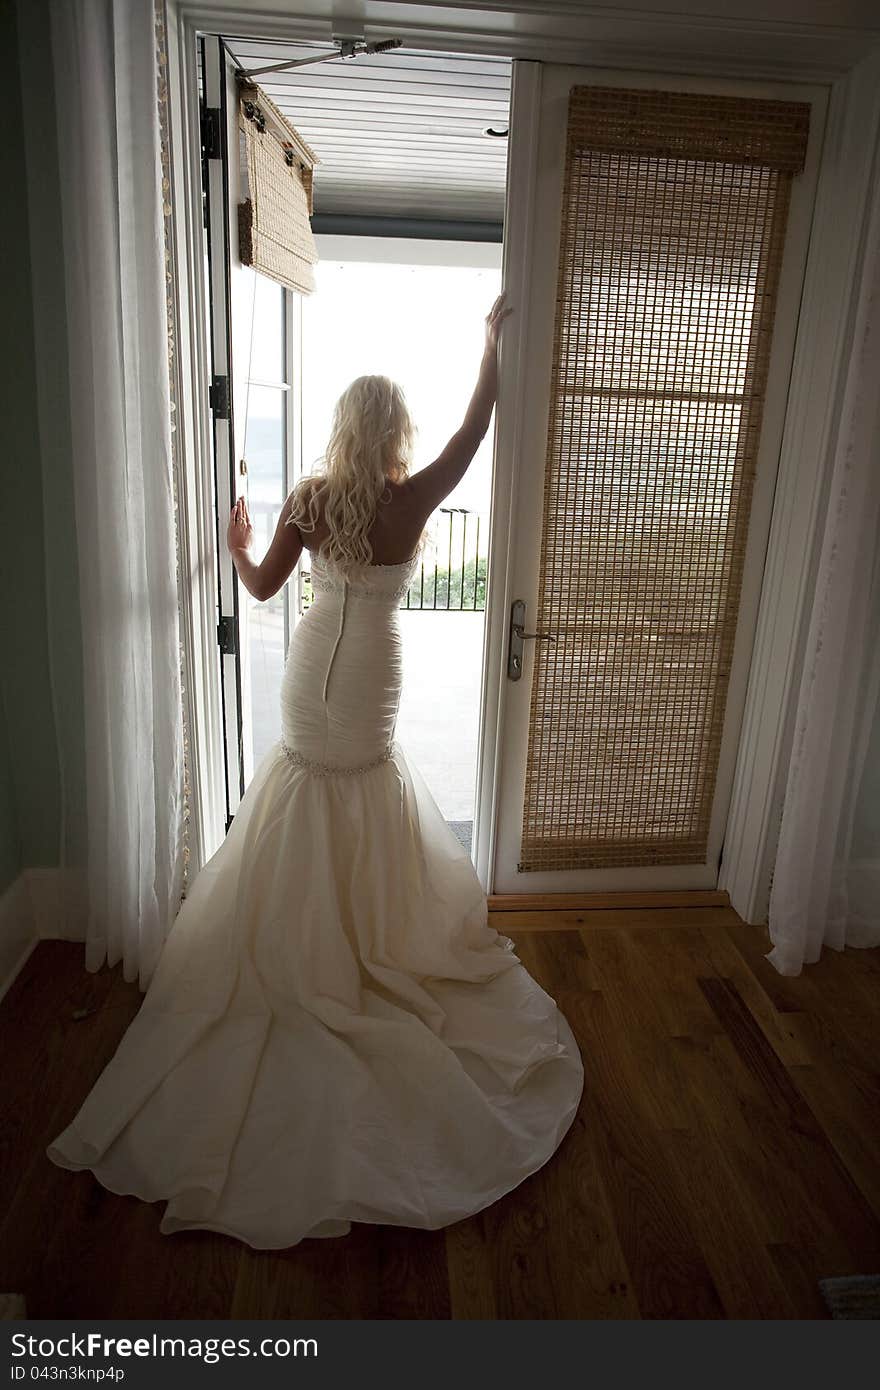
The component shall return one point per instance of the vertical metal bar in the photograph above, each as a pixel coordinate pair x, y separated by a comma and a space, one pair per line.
449, 564
477, 563
463, 555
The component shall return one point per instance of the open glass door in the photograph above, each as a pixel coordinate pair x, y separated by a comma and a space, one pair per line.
254, 329
226, 300
655, 266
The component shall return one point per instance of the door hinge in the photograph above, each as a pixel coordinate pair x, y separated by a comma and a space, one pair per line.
218, 397
226, 636
211, 132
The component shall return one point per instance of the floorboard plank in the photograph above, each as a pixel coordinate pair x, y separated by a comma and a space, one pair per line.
588, 1275
722, 1161
812, 1153
627, 1108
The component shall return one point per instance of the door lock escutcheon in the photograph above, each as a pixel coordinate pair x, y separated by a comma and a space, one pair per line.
518, 635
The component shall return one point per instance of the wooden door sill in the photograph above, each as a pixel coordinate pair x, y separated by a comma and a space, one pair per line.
576, 902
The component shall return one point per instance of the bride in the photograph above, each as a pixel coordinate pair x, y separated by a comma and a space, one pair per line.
333, 1032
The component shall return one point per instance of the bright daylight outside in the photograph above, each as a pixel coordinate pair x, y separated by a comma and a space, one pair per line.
422, 325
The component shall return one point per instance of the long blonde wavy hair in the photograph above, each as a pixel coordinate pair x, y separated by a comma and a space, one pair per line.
371, 440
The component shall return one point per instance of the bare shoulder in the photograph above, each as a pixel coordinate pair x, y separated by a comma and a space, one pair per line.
307, 484
434, 482
417, 494
287, 508
303, 487
403, 494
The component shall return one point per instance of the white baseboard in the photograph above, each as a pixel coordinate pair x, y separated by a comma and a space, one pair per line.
18, 935
57, 902
41, 904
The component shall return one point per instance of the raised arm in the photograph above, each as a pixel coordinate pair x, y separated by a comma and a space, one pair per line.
431, 484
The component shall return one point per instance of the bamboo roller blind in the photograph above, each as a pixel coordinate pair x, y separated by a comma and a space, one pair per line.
674, 212
274, 230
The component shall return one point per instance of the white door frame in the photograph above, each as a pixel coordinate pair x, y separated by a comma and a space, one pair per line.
848, 62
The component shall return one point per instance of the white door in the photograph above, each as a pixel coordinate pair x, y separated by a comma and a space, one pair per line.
532, 253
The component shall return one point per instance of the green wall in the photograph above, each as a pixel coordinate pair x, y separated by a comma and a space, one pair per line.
10, 848
39, 541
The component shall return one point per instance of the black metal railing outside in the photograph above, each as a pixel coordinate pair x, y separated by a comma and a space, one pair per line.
451, 576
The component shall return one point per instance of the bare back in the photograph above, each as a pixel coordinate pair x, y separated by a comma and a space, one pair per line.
395, 532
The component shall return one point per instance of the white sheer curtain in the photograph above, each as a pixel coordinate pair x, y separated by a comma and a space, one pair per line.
105, 64
826, 881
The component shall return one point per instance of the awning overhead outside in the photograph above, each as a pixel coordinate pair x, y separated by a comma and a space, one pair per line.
399, 135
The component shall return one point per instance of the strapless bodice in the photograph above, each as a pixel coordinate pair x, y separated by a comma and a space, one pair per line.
383, 582
341, 686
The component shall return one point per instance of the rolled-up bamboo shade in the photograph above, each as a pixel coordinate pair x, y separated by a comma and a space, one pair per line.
275, 234
674, 212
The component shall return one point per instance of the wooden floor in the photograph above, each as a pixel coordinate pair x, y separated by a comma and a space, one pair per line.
724, 1158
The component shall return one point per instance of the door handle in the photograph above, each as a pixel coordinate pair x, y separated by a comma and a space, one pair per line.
518, 635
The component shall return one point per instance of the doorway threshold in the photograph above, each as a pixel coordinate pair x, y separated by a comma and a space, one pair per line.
574, 902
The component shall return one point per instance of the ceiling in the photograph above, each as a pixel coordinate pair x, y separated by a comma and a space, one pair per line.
745, 38
398, 134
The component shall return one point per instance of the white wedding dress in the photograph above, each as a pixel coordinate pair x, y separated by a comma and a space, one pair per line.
333, 1033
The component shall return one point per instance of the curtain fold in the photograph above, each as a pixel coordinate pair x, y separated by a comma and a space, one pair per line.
105, 69
826, 879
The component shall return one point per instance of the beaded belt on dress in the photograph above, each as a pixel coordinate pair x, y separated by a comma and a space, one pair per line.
327, 770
